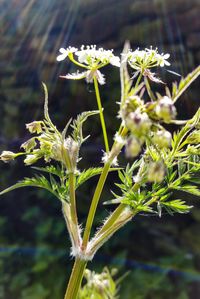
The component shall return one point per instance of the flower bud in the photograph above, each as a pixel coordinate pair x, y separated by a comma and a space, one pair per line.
165, 109
29, 145
162, 138
138, 123
73, 150
31, 159
133, 147
156, 172
34, 127
131, 105
7, 156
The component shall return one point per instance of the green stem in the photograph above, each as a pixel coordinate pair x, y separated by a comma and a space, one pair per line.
100, 239
138, 80
149, 91
75, 279
94, 204
97, 195
111, 219
73, 198
96, 86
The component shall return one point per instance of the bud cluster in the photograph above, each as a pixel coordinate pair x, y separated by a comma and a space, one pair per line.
143, 122
48, 144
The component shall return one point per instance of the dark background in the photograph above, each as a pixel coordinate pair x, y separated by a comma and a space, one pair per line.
162, 254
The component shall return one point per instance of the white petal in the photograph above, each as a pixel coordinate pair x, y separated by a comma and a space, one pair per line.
166, 56
75, 76
167, 63
100, 77
115, 61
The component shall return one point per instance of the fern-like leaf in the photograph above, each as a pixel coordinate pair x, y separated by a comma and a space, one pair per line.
77, 125
89, 173
176, 206
184, 84
37, 181
51, 169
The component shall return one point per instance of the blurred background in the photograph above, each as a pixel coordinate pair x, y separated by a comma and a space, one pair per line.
163, 255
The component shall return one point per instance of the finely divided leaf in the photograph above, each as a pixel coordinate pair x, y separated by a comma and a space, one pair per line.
184, 84
56, 170
77, 125
37, 181
176, 206
89, 173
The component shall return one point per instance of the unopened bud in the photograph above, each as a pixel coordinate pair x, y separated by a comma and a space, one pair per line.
73, 150
29, 144
133, 147
138, 123
156, 172
7, 156
162, 138
131, 105
31, 159
34, 127
165, 109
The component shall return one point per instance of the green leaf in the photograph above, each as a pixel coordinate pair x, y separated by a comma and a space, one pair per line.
56, 170
77, 125
89, 173
184, 83
178, 138
192, 189
37, 181
176, 206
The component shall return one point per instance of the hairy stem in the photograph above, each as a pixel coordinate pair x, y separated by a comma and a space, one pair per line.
75, 279
111, 219
73, 199
103, 125
99, 239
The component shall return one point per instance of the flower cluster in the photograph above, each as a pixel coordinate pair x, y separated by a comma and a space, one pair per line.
145, 59
91, 58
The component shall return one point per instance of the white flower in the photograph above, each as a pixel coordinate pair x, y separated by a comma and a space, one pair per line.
144, 59
65, 53
92, 56
162, 59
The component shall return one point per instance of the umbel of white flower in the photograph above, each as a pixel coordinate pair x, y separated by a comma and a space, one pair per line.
90, 58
